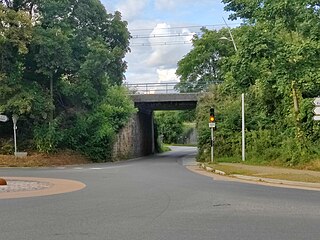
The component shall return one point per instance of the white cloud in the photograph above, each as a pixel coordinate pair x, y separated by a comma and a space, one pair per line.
168, 46
156, 62
167, 75
131, 8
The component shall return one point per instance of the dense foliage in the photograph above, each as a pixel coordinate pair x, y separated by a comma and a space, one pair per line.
169, 126
276, 65
201, 66
61, 70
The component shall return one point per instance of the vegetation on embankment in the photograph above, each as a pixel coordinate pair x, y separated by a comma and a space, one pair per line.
276, 64
62, 65
175, 127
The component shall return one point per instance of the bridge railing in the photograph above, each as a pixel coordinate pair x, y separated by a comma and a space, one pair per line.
152, 88
167, 88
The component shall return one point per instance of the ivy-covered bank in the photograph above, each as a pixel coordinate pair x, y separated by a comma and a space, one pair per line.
61, 72
276, 64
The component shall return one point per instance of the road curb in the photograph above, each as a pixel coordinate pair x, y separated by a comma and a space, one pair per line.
277, 181
264, 181
210, 169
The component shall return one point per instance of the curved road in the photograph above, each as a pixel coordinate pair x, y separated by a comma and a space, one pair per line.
157, 198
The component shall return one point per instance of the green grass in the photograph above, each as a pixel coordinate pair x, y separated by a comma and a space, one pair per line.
251, 170
230, 170
294, 177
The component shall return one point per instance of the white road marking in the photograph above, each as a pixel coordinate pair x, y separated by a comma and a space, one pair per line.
91, 168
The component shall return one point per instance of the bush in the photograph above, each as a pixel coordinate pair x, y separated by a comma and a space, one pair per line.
269, 139
93, 133
6, 147
47, 137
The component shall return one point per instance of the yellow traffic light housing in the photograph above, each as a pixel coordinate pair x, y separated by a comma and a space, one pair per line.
212, 118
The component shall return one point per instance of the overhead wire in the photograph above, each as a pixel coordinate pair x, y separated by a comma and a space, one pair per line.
181, 27
165, 35
146, 36
161, 44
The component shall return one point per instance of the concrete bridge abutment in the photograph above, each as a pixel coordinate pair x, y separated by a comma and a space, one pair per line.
136, 139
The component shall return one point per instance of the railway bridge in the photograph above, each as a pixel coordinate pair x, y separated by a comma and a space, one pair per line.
138, 137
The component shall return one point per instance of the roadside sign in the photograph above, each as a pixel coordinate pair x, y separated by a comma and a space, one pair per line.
3, 118
316, 110
316, 118
212, 125
316, 101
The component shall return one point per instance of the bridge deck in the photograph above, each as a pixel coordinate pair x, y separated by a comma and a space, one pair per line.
182, 97
150, 102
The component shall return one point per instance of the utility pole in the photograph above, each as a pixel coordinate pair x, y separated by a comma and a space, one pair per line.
242, 96
243, 129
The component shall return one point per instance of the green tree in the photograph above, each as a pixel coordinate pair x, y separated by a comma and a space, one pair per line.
60, 62
93, 133
201, 66
16, 95
277, 66
169, 125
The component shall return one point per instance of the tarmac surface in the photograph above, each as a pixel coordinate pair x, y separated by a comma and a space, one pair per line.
156, 198
31, 187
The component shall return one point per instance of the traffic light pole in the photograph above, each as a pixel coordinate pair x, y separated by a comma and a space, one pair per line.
212, 125
212, 144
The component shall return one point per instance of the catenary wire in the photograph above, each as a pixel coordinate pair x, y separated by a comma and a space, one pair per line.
179, 27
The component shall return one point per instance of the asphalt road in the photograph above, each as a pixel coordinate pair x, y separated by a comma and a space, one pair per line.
157, 198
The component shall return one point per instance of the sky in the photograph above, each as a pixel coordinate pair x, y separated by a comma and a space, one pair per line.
161, 33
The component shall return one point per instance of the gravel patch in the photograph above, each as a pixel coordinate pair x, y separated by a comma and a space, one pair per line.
19, 186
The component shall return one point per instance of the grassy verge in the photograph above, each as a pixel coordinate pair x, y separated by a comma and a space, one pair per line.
230, 170
313, 165
61, 158
268, 172
294, 177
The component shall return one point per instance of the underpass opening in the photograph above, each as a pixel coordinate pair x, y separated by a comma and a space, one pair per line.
175, 128
140, 137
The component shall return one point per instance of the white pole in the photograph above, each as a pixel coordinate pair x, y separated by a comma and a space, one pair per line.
243, 130
242, 100
212, 145
15, 138
14, 120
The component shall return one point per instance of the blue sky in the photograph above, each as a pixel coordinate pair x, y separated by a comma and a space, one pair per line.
151, 58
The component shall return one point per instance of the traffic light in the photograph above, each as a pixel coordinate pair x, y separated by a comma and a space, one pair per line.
212, 118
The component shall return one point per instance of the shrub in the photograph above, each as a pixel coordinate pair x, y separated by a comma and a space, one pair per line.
47, 137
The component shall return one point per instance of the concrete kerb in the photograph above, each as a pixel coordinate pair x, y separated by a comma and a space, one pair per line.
210, 169
256, 180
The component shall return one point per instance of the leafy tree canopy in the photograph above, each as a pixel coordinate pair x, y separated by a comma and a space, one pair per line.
277, 65
59, 60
